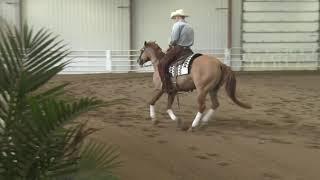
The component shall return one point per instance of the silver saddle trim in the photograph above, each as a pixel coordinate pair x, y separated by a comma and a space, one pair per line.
182, 69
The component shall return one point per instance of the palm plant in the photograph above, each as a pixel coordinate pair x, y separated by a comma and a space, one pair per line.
38, 134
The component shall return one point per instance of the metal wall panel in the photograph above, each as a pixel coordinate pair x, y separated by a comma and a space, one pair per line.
236, 34
236, 22
279, 30
9, 11
262, 17
279, 6
151, 21
283, 37
278, 47
84, 24
276, 27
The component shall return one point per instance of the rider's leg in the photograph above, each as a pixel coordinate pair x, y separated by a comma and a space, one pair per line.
169, 57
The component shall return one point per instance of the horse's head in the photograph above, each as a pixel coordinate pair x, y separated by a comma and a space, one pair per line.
150, 50
144, 55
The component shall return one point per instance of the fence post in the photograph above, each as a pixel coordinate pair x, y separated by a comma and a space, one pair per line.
317, 58
227, 57
108, 61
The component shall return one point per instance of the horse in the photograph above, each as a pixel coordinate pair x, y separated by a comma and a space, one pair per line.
207, 75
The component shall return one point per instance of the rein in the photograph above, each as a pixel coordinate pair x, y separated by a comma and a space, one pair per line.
147, 65
141, 52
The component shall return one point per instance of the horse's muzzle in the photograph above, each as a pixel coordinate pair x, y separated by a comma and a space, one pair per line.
140, 62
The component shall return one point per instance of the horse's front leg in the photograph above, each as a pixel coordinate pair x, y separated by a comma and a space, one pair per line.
171, 97
156, 96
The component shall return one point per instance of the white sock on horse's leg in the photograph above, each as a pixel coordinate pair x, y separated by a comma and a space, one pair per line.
152, 112
171, 114
208, 115
197, 119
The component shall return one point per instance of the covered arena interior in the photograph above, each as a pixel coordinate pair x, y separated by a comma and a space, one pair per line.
272, 44
249, 35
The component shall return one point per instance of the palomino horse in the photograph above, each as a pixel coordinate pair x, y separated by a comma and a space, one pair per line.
207, 75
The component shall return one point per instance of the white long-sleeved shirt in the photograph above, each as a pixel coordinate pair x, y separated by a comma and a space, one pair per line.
182, 34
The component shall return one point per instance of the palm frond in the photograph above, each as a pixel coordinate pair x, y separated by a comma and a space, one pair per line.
42, 138
38, 137
29, 60
98, 160
50, 93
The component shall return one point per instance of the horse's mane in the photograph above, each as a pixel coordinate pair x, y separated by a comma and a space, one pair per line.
153, 45
156, 47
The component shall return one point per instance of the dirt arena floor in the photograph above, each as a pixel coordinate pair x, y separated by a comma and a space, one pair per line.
279, 139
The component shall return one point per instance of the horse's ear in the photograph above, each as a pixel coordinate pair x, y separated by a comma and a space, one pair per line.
145, 43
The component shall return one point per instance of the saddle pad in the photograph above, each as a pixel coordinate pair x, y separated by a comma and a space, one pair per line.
184, 68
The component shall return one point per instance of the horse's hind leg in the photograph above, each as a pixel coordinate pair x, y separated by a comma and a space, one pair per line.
214, 107
171, 97
202, 93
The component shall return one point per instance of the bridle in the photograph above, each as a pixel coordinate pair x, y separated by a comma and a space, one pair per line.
141, 52
139, 59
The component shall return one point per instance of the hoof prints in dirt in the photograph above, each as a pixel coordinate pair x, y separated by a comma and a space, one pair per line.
162, 141
145, 129
223, 164
273, 140
208, 157
313, 146
161, 126
213, 154
202, 157
150, 130
193, 148
280, 141
289, 121
270, 176
125, 125
153, 135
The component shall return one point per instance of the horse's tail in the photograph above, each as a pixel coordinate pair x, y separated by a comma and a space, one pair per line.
230, 84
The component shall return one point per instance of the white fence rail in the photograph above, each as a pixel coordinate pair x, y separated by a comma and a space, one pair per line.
120, 61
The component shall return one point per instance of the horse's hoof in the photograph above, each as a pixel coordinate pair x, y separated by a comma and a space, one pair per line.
184, 127
191, 129
179, 123
203, 125
155, 122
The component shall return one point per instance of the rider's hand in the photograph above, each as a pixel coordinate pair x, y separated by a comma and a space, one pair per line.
170, 46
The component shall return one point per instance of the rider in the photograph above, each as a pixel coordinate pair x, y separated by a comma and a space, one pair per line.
182, 38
